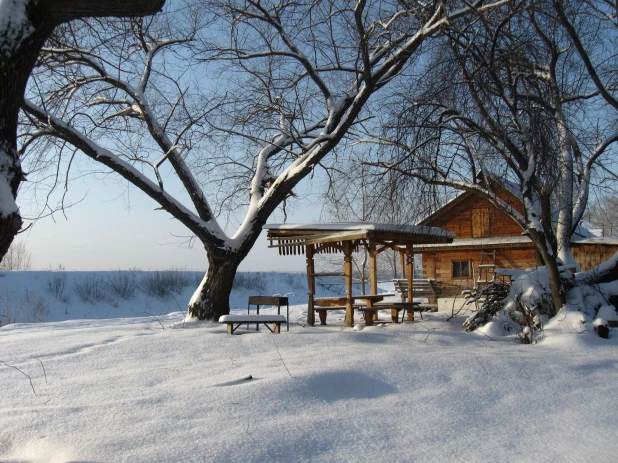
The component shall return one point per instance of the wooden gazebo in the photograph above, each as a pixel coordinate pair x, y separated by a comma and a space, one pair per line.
346, 238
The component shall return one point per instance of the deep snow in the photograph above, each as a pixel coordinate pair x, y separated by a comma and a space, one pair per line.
160, 389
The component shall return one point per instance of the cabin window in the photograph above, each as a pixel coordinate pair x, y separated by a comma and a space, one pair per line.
461, 269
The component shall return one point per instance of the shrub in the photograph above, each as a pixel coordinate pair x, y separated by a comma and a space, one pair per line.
295, 281
93, 289
35, 308
57, 284
162, 284
249, 280
30, 308
122, 284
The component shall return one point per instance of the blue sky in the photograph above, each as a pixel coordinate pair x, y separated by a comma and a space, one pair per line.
110, 230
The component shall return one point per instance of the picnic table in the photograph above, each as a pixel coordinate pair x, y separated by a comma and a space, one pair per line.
368, 303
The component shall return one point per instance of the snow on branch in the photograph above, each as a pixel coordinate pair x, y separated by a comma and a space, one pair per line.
204, 229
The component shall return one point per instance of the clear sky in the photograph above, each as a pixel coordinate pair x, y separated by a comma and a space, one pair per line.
110, 230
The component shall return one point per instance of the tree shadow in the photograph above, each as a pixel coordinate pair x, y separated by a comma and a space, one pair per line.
343, 385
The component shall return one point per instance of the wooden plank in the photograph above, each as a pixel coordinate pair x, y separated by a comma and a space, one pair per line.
267, 300
330, 301
480, 222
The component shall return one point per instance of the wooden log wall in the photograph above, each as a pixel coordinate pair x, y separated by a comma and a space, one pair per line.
475, 217
589, 256
439, 265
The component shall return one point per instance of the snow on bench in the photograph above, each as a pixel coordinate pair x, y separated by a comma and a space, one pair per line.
238, 320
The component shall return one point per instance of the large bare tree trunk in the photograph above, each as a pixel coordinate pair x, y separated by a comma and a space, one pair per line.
28, 23
212, 297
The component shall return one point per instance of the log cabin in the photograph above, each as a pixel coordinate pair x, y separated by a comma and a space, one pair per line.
488, 239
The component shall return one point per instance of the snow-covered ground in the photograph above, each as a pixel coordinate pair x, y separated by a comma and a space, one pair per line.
155, 388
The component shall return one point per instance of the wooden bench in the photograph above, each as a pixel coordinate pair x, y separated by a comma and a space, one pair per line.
234, 321
395, 308
322, 311
372, 312
426, 288
269, 300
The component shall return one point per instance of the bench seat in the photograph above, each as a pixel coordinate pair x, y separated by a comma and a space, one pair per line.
234, 321
395, 308
428, 307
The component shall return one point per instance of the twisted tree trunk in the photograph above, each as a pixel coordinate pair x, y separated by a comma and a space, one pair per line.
212, 297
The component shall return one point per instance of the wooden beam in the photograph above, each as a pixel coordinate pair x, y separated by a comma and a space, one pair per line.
382, 249
310, 285
373, 268
410, 271
347, 270
328, 247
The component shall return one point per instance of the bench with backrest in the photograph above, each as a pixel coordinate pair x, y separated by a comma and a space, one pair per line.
425, 288
275, 301
234, 321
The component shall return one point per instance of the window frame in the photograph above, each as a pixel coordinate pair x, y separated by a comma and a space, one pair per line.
461, 276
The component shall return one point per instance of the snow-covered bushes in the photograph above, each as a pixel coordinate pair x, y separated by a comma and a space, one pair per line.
113, 286
93, 289
529, 306
57, 284
163, 284
122, 284
522, 311
250, 280
27, 307
296, 281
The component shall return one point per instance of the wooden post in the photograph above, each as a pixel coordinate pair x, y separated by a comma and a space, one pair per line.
310, 284
373, 274
347, 272
403, 265
410, 272
373, 268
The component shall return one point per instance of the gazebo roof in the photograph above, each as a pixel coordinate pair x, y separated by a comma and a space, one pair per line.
317, 233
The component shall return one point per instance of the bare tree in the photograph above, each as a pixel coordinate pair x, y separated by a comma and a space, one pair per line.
292, 79
17, 258
356, 192
603, 213
515, 107
24, 27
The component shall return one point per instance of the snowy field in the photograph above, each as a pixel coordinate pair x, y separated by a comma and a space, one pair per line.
149, 387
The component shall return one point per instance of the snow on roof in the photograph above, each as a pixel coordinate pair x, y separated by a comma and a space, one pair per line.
584, 230
497, 241
514, 240
600, 240
510, 186
363, 226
